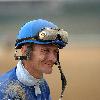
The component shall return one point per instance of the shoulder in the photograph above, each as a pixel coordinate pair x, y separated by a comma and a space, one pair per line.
10, 87
8, 75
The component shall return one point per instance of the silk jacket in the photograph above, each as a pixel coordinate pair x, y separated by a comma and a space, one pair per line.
12, 89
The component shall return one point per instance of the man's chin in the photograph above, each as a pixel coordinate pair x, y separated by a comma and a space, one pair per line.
48, 72
47, 69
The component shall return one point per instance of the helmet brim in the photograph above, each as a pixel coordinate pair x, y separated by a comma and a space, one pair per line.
60, 44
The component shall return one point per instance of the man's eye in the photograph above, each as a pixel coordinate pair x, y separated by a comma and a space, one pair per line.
45, 50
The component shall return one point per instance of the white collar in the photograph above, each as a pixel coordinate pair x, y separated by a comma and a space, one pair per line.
27, 79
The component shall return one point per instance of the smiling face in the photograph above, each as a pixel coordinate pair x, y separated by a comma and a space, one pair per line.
43, 57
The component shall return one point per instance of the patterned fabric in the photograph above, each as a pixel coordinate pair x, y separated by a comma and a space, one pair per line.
12, 89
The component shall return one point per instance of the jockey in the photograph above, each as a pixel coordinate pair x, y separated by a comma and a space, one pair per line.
38, 42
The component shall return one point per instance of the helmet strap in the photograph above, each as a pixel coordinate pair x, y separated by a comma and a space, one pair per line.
63, 78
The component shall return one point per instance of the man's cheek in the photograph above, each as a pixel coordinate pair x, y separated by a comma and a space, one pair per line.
43, 58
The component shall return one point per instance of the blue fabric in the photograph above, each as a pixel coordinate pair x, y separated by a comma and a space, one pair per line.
12, 89
59, 43
31, 28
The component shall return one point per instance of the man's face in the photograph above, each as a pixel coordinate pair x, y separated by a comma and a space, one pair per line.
43, 57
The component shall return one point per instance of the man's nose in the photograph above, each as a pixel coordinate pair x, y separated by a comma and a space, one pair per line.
52, 57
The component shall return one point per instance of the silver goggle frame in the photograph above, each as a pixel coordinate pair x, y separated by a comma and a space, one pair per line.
52, 34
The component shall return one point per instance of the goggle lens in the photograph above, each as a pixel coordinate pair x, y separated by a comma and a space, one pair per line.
52, 34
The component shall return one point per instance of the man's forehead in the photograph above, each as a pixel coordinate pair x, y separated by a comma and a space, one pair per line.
47, 46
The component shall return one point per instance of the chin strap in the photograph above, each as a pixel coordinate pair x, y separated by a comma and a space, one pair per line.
63, 78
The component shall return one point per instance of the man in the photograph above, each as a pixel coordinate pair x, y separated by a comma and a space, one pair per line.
39, 42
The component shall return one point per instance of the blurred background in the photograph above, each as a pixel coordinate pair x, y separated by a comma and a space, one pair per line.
80, 59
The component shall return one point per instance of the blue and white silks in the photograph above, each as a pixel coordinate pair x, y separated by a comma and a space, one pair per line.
18, 84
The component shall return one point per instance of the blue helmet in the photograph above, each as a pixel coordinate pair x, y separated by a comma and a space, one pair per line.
31, 29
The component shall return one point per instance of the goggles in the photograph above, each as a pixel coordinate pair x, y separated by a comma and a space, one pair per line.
49, 34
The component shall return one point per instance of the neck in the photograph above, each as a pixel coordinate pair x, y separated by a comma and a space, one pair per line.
35, 73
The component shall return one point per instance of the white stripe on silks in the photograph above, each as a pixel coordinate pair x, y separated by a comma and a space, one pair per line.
37, 89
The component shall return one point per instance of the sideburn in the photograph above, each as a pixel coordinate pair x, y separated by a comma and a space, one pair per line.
27, 50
